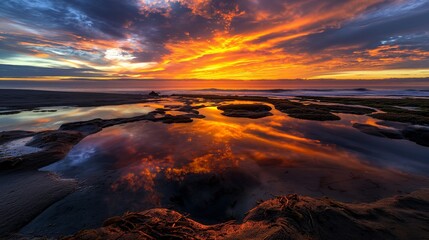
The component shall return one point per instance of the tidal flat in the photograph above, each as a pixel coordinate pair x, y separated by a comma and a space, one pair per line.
69, 164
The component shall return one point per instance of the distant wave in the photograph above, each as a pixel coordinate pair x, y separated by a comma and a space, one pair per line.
291, 92
279, 90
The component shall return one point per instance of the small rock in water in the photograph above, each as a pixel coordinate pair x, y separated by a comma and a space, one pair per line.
153, 94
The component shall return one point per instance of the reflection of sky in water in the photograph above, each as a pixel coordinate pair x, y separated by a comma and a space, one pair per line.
219, 167
39, 120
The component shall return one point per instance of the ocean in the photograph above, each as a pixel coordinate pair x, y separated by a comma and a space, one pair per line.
274, 88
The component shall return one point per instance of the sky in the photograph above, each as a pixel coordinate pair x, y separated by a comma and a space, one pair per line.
213, 39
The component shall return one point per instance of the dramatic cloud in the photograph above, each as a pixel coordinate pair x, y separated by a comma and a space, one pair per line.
211, 39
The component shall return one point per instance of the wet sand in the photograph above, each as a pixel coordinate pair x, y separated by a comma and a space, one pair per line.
30, 99
26, 194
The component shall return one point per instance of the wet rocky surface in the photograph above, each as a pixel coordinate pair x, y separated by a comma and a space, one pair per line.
284, 217
9, 112
316, 112
253, 111
394, 109
418, 135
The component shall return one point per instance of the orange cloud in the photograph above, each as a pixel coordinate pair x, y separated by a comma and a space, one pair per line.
238, 41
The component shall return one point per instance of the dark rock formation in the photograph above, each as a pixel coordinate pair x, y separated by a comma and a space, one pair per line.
54, 146
395, 109
294, 109
246, 110
289, 217
187, 108
44, 111
307, 113
153, 94
8, 136
418, 135
404, 116
10, 112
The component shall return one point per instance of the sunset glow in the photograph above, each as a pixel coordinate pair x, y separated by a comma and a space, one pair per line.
214, 39
206, 39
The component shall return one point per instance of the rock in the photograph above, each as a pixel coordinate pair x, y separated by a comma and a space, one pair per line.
379, 132
343, 109
86, 127
419, 135
169, 119
394, 109
8, 136
153, 94
285, 217
183, 108
405, 116
54, 146
295, 109
10, 112
311, 114
246, 110
45, 111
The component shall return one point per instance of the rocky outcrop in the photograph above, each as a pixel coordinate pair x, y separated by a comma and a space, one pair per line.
246, 110
405, 110
153, 94
54, 146
8, 136
288, 217
295, 109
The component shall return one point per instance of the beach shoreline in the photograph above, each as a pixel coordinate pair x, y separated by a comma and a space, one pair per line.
49, 188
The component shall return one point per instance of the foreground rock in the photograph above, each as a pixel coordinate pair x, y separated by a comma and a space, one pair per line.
291, 217
246, 110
